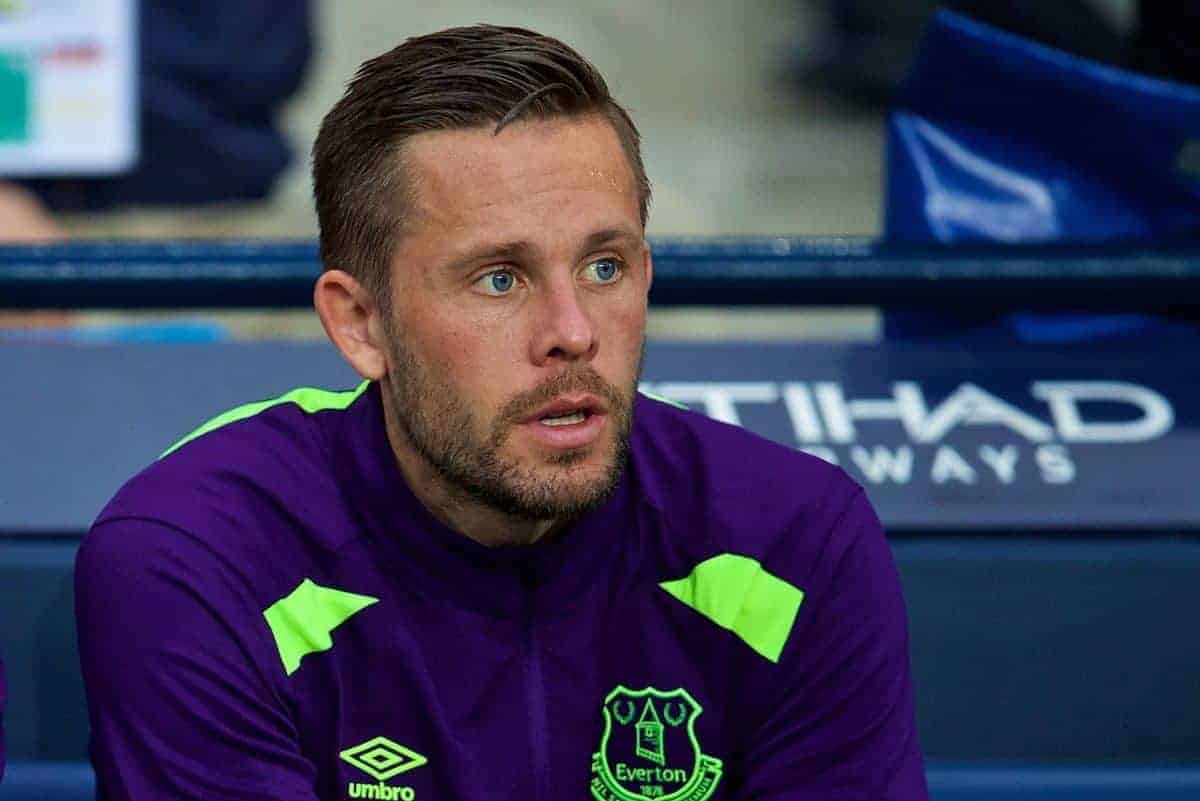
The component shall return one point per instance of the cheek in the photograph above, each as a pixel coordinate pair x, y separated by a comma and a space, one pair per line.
445, 339
475, 361
626, 329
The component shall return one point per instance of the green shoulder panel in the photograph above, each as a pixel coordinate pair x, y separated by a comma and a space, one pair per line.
740, 595
303, 621
661, 399
307, 398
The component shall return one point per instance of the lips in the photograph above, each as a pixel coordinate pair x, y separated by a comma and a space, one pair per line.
568, 435
569, 404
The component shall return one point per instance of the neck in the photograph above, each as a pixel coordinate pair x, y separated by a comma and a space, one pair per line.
457, 509
480, 522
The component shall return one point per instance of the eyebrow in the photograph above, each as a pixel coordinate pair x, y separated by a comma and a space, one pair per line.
518, 250
609, 236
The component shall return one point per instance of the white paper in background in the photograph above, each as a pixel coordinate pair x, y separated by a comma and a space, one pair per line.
68, 87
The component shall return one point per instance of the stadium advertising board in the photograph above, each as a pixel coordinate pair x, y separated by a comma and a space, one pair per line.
942, 438
967, 438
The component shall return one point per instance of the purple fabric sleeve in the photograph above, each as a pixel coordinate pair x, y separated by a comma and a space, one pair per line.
843, 727
180, 697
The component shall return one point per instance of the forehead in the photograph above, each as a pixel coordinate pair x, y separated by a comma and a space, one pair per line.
531, 168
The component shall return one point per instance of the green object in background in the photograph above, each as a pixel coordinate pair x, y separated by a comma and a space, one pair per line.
14, 97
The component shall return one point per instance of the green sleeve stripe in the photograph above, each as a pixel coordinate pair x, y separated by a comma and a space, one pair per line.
738, 594
303, 621
309, 399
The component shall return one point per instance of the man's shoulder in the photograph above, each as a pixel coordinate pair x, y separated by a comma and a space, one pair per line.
725, 489
252, 478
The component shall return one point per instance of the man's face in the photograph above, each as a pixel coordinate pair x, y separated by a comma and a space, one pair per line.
518, 296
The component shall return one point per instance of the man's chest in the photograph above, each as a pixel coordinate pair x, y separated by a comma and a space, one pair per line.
632, 697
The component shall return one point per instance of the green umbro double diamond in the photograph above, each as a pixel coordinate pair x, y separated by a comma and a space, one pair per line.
381, 758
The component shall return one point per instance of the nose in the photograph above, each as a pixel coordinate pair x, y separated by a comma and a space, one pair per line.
563, 327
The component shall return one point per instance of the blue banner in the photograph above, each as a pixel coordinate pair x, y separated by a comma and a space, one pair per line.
970, 439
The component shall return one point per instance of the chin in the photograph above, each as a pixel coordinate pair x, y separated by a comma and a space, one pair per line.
597, 458
569, 482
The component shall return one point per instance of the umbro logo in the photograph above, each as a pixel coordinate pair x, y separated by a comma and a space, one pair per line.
382, 759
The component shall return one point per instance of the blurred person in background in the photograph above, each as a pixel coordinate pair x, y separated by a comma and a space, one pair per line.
213, 77
995, 136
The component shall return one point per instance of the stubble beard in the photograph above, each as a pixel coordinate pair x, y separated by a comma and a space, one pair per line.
441, 428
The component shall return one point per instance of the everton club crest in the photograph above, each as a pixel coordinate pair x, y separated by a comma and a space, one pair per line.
649, 749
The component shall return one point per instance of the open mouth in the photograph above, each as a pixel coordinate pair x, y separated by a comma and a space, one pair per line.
570, 418
568, 410
569, 422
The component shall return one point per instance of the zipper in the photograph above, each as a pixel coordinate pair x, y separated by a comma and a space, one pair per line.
535, 697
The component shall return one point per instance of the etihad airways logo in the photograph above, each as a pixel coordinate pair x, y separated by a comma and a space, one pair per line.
382, 759
827, 423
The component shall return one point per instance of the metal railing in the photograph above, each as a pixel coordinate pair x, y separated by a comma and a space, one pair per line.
702, 272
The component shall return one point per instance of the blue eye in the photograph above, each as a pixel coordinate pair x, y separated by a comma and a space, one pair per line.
498, 282
605, 270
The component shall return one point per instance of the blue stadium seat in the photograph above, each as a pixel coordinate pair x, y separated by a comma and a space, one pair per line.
1014, 782
73, 781
48, 781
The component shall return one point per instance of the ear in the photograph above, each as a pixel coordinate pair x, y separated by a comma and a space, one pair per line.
350, 316
649, 269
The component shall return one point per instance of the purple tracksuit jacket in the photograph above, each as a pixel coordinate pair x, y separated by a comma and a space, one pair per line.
267, 612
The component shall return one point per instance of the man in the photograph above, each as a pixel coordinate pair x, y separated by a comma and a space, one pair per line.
493, 571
